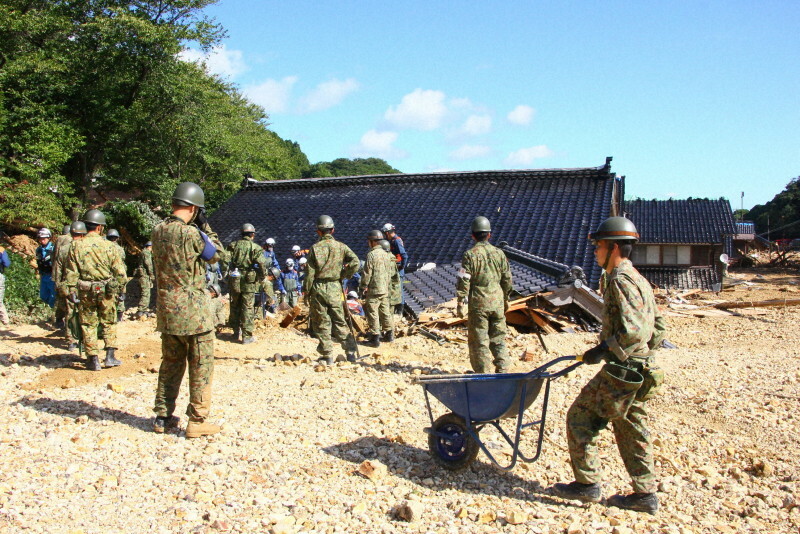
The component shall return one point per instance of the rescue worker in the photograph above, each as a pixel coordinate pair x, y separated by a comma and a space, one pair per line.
44, 264
77, 231
269, 287
290, 280
632, 329
398, 250
301, 269
269, 253
95, 276
145, 274
62, 242
298, 253
182, 245
483, 286
329, 261
248, 268
376, 282
354, 305
396, 293
113, 236
5, 263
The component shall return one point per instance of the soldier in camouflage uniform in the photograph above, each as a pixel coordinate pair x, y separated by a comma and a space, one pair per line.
484, 283
77, 231
145, 273
395, 293
94, 278
246, 271
632, 329
329, 262
217, 306
62, 242
380, 272
113, 236
182, 246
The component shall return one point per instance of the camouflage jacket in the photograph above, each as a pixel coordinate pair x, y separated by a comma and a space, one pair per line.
484, 279
121, 252
93, 259
379, 271
145, 269
632, 324
329, 260
60, 258
183, 302
249, 259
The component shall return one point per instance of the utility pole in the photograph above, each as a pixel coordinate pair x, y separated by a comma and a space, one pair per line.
741, 213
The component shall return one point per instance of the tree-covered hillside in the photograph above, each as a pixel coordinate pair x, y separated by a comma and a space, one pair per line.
781, 215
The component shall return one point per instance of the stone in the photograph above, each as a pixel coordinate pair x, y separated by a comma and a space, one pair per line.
516, 517
221, 525
410, 511
116, 388
487, 517
358, 508
373, 469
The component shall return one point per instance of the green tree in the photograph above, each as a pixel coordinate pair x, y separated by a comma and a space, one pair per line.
781, 215
350, 167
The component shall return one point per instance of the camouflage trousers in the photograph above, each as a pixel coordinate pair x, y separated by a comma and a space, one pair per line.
291, 298
601, 401
144, 299
242, 315
3, 311
486, 338
64, 310
379, 314
326, 309
177, 353
218, 311
97, 314
61, 306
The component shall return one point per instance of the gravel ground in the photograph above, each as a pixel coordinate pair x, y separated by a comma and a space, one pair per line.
343, 449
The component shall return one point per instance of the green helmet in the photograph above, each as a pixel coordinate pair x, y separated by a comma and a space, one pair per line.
112, 233
189, 194
274, 271
77, 228
148, 244
248, 228
375, 235
65, 230
95, 217
481, 224
385, 245
615, 229
324, 222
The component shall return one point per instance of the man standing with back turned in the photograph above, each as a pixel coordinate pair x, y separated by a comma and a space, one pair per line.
632, 329
182, 245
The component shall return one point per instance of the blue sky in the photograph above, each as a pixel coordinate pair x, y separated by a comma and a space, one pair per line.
692, 99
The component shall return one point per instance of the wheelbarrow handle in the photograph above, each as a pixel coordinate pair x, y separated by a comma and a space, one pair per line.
541, 371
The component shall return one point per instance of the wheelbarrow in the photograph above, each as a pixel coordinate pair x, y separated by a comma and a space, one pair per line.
478, 400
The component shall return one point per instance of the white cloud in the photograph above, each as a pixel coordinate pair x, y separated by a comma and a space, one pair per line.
420, 110
378, 144
219, 60
477, 125
521, 115
328, 94
272, 95
526, 156
470, 152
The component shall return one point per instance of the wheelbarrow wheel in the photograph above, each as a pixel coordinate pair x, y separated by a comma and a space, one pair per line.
456, 451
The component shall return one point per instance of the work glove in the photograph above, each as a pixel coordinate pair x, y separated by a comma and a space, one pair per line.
73, 298
121, 297
461, 309
596, 354
200, 219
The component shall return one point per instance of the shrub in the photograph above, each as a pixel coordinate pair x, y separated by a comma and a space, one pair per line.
22, 291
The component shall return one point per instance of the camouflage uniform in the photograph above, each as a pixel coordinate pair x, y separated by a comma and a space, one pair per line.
380, 273
145, 274
218, 311
182, 316
60, 251
632, 328
248, 259
485, 283
96, 274
121, 302
64, 307
329, 261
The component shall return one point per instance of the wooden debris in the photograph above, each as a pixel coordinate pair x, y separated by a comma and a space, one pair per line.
757, 304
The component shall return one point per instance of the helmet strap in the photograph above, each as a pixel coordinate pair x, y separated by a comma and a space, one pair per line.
608, 255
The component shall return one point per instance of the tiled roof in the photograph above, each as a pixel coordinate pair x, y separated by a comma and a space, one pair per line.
704, 278
425, 289
546, 212
681, 221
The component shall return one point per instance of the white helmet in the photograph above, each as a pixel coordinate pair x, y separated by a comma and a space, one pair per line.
352, 295
388, 227
296, 248
289, 262
270, 242
44, 232
303, 260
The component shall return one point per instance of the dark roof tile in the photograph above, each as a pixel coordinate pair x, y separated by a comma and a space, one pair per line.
681, 221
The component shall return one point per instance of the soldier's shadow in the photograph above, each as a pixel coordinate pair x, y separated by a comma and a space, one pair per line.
416, 465
76, 408
50, 361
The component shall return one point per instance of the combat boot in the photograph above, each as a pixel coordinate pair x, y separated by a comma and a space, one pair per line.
196, 429
161, 424
326, 359
638, 502
575, 491
374, 340
351, 356
93, 363
388, 336
120, 317
59, 324
111, 361
248, 340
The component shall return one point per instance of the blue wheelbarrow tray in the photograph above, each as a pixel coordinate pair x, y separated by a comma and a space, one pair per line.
486, 399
